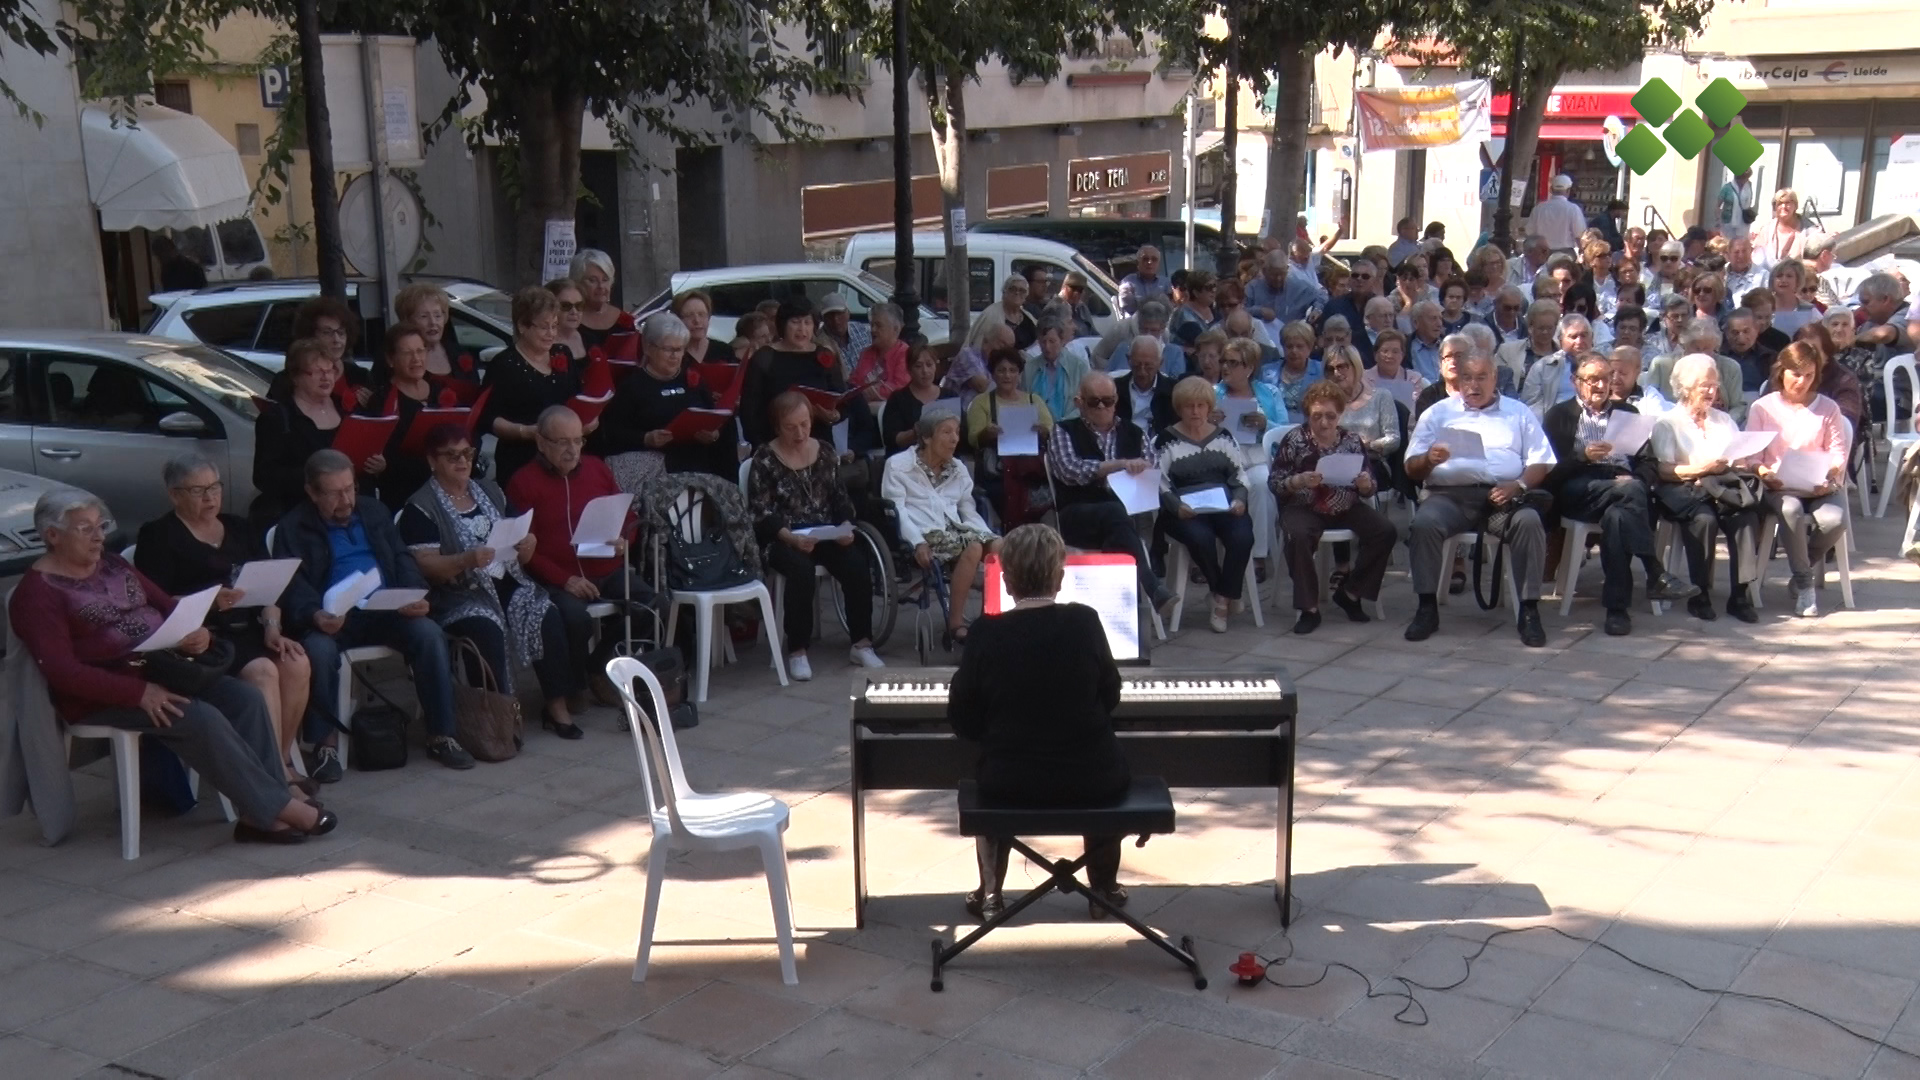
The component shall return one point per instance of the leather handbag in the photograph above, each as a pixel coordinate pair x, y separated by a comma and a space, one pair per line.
188, 676
486, 721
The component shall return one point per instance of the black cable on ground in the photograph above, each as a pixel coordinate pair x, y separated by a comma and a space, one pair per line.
1414, 1014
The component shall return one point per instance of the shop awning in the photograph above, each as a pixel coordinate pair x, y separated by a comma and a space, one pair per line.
167, 170
1558, 129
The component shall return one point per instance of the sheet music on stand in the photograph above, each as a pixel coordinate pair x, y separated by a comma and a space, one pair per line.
1106, 583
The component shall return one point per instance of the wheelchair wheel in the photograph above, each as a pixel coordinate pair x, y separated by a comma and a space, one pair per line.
885, 590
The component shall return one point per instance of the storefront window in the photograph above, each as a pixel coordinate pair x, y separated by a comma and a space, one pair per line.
1896, 159
1829, 145
1765, 122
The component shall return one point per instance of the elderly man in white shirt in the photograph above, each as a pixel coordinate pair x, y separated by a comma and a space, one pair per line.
1559, 220
1742, 274
1488, 492
1550, 381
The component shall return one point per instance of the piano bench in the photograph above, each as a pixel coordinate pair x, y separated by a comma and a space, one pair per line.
1146, 810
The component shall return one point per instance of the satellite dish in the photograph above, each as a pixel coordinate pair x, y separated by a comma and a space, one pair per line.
1612, 130
356, 224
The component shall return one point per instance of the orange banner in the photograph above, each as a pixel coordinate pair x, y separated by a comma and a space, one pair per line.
1416, 117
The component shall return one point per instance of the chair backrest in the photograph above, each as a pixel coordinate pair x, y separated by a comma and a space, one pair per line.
271, 531
688, 515
745, 467
1902, 365
653, 743
1275, 432
128, 554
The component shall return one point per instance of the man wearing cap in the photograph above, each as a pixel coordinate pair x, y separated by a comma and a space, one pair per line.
1559, 220
1073, 293
838, 332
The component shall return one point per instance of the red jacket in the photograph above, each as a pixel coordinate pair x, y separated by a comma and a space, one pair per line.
556, 502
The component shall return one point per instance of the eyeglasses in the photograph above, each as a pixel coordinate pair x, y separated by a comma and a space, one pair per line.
201, 491
1669, 258
1703, 290
1509, 308
92, 531
1099, 402
569, 305
330, 331
454, 457
1595, 380
570, 443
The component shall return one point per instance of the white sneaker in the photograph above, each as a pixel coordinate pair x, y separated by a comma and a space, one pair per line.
1806, 603
864, 656
798, 668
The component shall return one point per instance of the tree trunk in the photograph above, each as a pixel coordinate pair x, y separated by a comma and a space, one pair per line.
1227, 260
947, 103
547, 124
1524, 116
326, 201
1287, 150
905, 267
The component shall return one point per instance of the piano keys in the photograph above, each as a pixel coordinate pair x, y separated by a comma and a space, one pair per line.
1201, 729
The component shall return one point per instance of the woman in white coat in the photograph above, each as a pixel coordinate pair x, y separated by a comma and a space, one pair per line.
934, 494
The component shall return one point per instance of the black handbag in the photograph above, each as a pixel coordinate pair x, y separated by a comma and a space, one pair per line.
1732, 490
1499, 520
188, 676
702, 565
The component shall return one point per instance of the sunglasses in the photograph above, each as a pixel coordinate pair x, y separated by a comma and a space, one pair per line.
1669, 258
1099, 402
455, 456
569, 305
1703, 290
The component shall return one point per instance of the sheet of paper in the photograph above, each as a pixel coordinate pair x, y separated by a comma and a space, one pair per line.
841, 531
263, 581
393, 599
1017, 437
1109, 586
1628, 432
1238, 410
842, 433
1341, 470
948, 404
1748, 443
1211, 500
600, 523
1803, 470
189, 614
1461, 443
1139, 494
508, 532
347, 593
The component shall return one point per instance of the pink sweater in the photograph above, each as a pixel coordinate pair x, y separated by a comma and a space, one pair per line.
1817, 427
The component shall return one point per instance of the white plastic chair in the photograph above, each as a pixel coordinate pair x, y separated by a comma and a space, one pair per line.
1902, 436
1180, 564
1453, 544
126, 768
1842, 551
687, 820
688, 507
1575, 556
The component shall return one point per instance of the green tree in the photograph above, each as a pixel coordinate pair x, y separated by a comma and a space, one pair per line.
1527, 46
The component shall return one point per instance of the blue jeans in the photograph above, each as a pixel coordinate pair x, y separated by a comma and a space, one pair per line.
1198, 534
419, 640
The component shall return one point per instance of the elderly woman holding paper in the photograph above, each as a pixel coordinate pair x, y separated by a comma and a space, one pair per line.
198, 547
1804, 468
1696, 446
1248, 407
479, 591
648, 406
1320, 479
1008, 410
1203, 495
793, 492
82, 612
937, 516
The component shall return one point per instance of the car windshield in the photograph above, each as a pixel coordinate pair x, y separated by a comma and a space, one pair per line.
1093, 271
231, 381
492, 303
884, 288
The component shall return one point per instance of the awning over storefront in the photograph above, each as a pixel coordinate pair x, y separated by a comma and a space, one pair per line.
1571, 114
166, 170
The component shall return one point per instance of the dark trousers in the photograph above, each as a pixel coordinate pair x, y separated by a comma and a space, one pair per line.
1621, 507
1097, 781
555, 669
1105, 526
226, 736
1698, 516
579, 624
1103, 861
418, 639
1300, 530
848, 565
1199, 534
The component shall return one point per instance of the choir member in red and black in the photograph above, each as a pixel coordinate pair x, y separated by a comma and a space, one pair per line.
791, 361
600, 317
567, 291
291, 427
449, 367
409, 389
525, 379
661, 388
336, 329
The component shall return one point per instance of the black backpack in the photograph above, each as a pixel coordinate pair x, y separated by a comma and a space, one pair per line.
707, 561
378, 737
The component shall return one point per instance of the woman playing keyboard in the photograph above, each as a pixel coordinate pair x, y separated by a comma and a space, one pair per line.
1037, 687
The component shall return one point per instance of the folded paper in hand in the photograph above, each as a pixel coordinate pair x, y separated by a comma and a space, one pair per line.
1139, 494
1628, 432
347, 593
601, 522
189, 613
1239, 412
1340, 470
261, 582
1017, 435
842, 531
507, 533
1746, 444
393, 599
1210, 500
1461, 443
1801, 471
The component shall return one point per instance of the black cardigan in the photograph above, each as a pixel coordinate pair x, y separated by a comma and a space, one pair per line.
1037, 689
1562, 424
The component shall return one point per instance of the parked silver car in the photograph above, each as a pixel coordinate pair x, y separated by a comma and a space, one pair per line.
103, 411
19, 541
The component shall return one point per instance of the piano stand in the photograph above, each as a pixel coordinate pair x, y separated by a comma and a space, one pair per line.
1147, 810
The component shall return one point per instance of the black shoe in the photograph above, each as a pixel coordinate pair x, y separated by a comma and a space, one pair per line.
327, 823
1532, 634
447, 751
1307, 623
985, 906
1116, 896
1701, 607
326, 768
1619, 624
1351, 605
1740, 606
1425, 621
565, 731
244, 833
1668, 589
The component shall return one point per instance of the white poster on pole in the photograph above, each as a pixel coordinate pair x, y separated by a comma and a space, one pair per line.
559, 248
957, 225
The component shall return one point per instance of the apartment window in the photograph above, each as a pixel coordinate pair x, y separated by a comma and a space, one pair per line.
174, 95
837, 53
246, 139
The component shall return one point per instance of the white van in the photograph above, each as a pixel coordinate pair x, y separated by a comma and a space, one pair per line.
991, 259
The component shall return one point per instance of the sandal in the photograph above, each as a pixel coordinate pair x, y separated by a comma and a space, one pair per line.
1336, 579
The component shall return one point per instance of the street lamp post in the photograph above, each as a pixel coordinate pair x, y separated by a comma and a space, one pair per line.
904, 266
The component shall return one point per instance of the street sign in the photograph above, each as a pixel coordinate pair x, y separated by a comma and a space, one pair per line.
273, 86
1489, 185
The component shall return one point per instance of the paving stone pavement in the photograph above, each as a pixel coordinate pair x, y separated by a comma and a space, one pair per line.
1738, 805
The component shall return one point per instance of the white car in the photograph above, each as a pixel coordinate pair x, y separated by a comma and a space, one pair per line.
737, 290
991, 259
255, 319
19, 541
